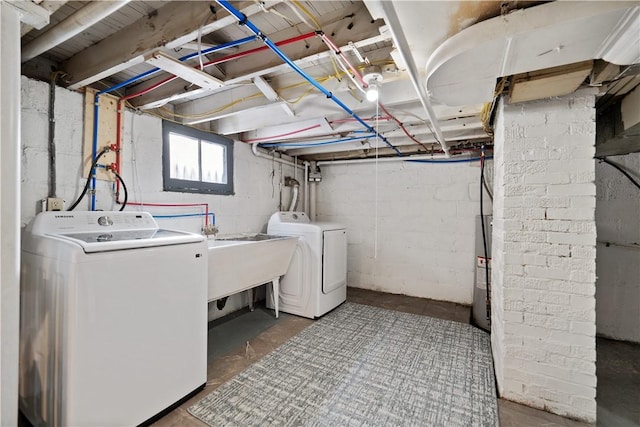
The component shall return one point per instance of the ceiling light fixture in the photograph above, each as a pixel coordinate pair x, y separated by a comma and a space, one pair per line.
372, 77
180, 69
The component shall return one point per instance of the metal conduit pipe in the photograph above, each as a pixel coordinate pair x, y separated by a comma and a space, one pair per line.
74, 24
443, 158
306, 187
312, 195
402, 45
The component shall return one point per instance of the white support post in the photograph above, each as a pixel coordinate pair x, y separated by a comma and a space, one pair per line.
10, 17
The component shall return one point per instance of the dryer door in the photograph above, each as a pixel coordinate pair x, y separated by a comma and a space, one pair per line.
334, 256
295, 286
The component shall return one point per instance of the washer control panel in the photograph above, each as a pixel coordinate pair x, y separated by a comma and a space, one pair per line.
92, 221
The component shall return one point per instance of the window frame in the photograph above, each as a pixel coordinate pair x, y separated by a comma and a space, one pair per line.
189, 186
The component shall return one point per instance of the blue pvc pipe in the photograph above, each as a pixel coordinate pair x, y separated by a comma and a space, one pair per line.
475, 159
183, 58
315, 144
96, 101
213, 216
243, 20
94, 150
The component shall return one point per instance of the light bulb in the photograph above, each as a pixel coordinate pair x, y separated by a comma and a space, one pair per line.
372, 93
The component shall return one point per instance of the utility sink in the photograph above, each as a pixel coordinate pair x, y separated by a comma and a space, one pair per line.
241, 262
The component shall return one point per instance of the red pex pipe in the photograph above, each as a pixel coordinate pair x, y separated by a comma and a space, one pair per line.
120, 106
225, 59
270, 138
337, 50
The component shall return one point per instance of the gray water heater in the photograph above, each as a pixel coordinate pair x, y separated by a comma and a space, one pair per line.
480, 299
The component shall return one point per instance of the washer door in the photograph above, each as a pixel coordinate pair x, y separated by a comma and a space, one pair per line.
295, 285
334, 266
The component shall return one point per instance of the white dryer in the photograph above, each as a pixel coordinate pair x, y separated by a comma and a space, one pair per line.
113, 325
316, 281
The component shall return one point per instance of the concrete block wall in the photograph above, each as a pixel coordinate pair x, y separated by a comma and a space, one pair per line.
618, 254
544, 237
257, 189
418, 239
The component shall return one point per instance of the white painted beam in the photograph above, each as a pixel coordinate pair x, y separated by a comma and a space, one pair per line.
71, 26
172, 26
247, 117
10, 16
271, 94
391, 18
31, 15
173, 91
185, 72
50, 6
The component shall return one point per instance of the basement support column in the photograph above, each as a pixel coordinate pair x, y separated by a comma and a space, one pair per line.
10, 208
544, 237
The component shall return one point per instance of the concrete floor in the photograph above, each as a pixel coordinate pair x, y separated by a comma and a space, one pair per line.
618, 368
511, 414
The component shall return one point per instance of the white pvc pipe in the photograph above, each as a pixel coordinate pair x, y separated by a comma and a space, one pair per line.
312, 195
404, 50
312, 200
306, 188
254, 149
294, 197
73, 25
10, 208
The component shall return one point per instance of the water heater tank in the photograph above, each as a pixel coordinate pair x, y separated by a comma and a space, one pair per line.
481, 299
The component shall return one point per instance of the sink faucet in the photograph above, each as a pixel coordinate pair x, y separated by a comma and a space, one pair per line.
210, 230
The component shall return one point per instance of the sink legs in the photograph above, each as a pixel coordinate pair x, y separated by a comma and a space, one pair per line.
276, 294
250, 293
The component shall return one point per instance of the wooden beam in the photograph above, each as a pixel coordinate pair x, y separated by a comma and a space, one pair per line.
176, 90
266, 62
50, 6
172, 26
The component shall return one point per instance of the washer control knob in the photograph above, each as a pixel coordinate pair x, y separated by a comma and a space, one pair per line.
105, 221
104, 237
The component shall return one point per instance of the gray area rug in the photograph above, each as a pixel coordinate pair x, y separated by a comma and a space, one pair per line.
364, 366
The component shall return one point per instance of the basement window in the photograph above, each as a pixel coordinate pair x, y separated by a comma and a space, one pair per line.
195, 161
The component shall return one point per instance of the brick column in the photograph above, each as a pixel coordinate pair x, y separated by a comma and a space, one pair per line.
544, 237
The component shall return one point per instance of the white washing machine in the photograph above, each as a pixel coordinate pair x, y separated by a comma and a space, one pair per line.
113, 326
316, 281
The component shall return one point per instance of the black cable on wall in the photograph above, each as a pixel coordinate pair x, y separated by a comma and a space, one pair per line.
617, 166
484, 236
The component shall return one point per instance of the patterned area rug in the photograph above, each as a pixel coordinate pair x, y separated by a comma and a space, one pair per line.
362, 365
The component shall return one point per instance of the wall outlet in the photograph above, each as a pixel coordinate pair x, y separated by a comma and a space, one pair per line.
55, 204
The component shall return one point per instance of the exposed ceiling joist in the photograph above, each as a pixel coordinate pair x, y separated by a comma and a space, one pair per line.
50, 6
174, 91
271, 94
172, 26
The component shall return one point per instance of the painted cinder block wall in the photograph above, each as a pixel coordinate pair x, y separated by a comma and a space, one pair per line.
544, 238
257, 190
410, 226
618, 254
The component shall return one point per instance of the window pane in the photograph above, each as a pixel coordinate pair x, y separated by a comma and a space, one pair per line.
183, 152
213, 159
